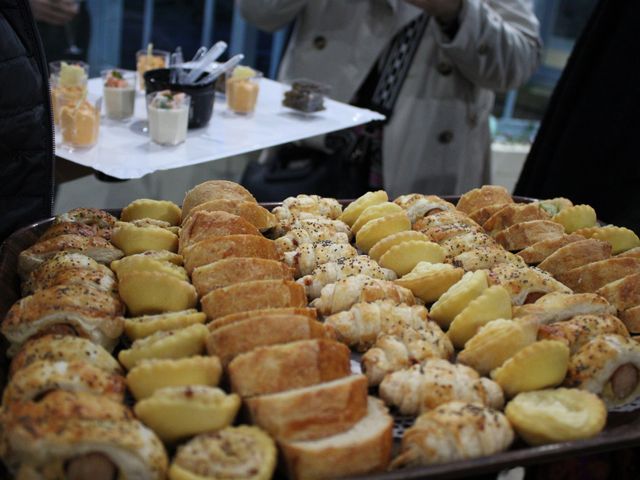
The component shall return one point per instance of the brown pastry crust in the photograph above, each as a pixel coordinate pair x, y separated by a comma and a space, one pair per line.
631, 319
203, 224
634, 253
581, 329
481, 215
591, 277
88, 216
215, 190
229, 341
255, 214
55, 348
88, 311
284, 367
482, 197
253, 295
40, 377
440, 234
71, 228
213, 249
236, 270
312, 412
537, 252
310, 313
525, 234
514, 213
444, 218
623, 293
557, 306
522, 282
576, 254
95, 247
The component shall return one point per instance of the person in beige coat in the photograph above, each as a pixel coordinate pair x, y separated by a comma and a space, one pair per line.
438, 139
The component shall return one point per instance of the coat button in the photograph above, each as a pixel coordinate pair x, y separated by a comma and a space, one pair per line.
444, 68
483, 49
445, 137
320, 42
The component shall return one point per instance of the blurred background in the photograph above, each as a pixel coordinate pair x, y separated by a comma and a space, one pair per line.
118, 28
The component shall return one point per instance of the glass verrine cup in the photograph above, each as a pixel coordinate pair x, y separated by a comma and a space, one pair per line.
71, 76
119, 95
168, 115
79, 121
150, 59
242, 90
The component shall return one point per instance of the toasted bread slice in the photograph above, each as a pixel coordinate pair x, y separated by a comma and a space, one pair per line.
311, 412
576, 254
284, 367
205, 224
310, 313
255, 214
537, 252
231, 340
593, 276
364, 448
525, 234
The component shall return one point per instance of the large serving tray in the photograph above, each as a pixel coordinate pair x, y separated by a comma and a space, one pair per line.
622, 429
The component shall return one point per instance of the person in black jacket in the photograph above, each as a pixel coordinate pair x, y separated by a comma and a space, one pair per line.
587, 146
26, 122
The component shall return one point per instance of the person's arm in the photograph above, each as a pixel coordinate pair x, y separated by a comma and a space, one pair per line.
270, 15
494, 44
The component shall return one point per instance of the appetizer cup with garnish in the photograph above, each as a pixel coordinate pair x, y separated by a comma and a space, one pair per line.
168, 114
119, 93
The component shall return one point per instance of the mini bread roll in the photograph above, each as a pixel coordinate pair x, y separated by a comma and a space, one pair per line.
205, 224
230, 271
253, 295
231, 340
215, 190
213, 249
284, 367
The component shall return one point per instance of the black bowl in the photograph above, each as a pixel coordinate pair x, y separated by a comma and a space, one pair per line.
202, 96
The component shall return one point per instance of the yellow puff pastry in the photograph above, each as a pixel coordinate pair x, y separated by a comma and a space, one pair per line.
146, 263
243, 453
131, 239
180, 343
497, 341
456, 298
576, 217
153, 292
374, 211
539, 365
379, 228
558, 415
355, 208
151, 375
428, 281
382, 246
140, 327
404, 257
148, 208
178, 412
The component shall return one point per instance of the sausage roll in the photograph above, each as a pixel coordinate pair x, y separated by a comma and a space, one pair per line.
72, 309
609, 365
557, 306
581, 329
65, 348
524, 284
41, 377
418, 205
98, 248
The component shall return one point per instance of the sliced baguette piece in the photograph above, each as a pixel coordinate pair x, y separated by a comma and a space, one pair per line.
310, 313
237, 270
311, 412
205, 224
215, 190
258, 216
239, 337
279, 368
212, 249
365, 448
241, 297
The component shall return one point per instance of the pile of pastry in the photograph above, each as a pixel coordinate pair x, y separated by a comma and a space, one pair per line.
485, 320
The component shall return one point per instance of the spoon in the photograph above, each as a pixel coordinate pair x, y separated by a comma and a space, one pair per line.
213, 53
220, 69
